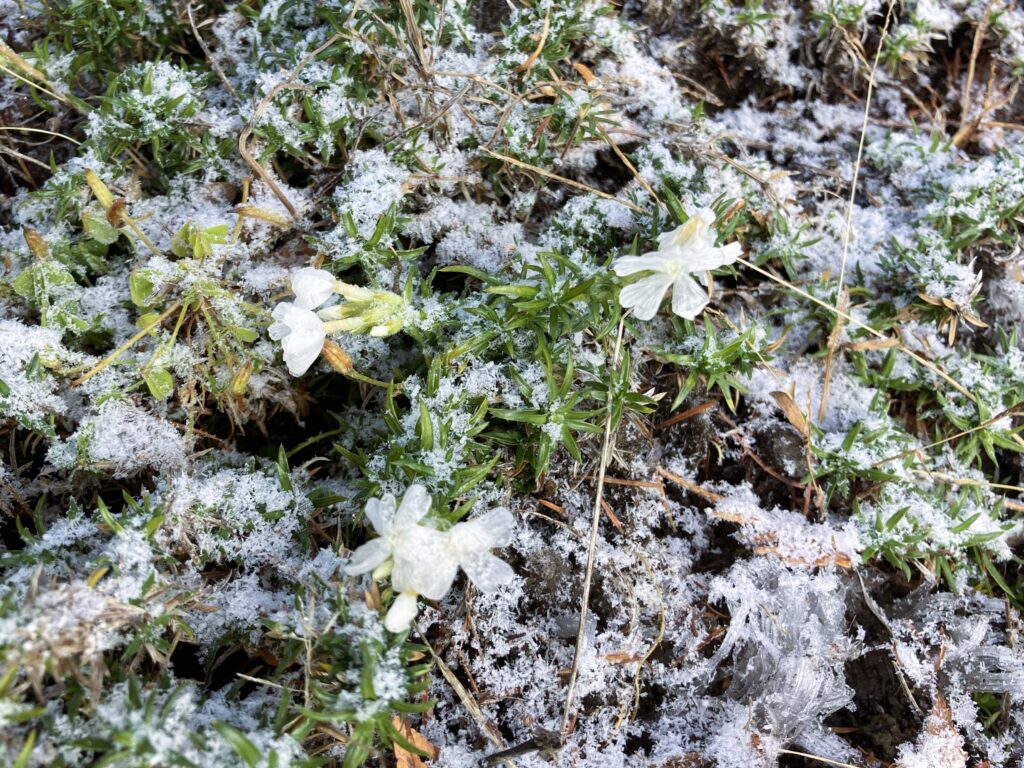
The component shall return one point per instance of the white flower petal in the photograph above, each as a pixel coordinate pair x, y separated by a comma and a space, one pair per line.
486, 571
312, 287
414, 507
694, 233
402, 612
708, 258
688, 298
368, 556
424, 562
490, 530
729, 253
381, 513
686, 252
706, 215
645, 295
629, 265
301, 333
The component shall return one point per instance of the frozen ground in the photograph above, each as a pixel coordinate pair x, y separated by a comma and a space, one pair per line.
808, 547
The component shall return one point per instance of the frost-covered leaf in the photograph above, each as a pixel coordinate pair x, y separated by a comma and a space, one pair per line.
96, 225
159, 381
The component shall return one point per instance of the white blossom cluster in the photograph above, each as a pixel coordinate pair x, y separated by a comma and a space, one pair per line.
423, 560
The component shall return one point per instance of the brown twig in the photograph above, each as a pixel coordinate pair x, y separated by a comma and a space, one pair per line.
243, 139
689, 413
693, 488
209, 56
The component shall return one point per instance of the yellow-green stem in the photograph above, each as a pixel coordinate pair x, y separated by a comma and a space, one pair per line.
126, 346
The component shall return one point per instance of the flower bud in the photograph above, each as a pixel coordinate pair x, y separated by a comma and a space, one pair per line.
337, 358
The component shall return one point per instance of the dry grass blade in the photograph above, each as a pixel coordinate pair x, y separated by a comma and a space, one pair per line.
842, 298
126, 346
243, 138
464, 696
1011, 411
415, 36
31, 75
966, 128
632, 169
834, 340
209, 56
432, 120
947, 478
863, 326
532, 58
792, 412
7, 53
657, 638
564, 180
21, 129
26, 158
595, 522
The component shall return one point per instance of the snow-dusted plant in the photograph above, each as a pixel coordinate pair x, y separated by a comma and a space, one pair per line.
465, 174
302, 329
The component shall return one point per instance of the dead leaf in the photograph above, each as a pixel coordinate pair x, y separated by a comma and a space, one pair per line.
792, 412
864, 346
585, 73
36, 244
372, 597
403, 757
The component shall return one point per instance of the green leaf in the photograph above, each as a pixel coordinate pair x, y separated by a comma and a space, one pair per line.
528, 417
24, 284
141, 288
284, 478
108, 518
479, 274
246, 335
159, 381
517, 290
181, 243
96, 225
26, 750
240, 743
426, 428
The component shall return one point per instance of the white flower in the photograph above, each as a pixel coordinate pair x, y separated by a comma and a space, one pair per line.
312, 287
407, 544
424, 561
687, 249
301, 333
